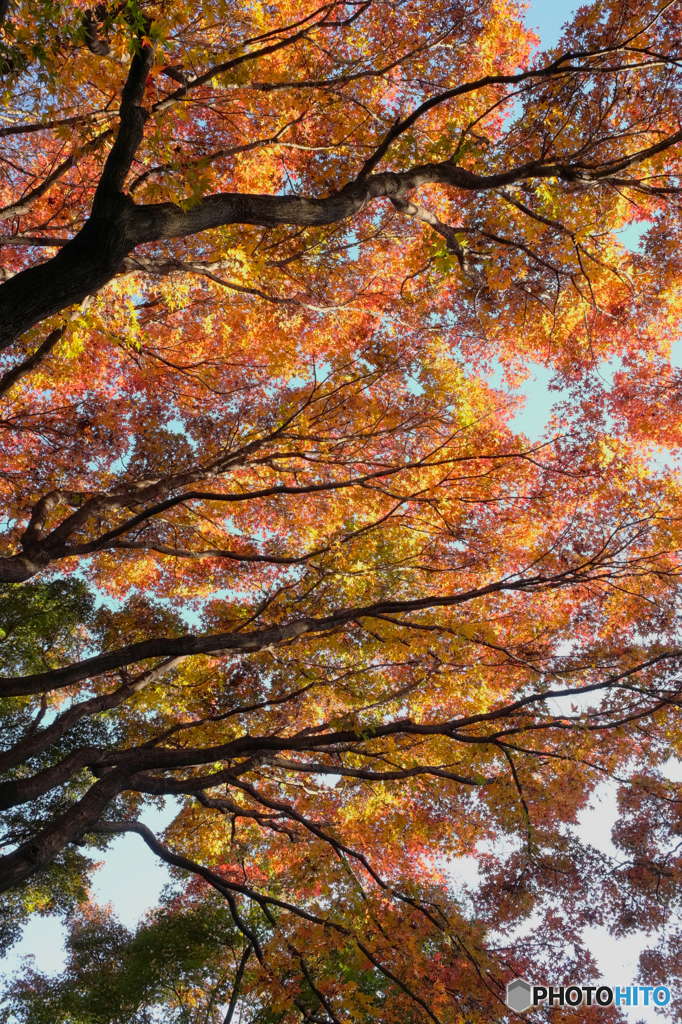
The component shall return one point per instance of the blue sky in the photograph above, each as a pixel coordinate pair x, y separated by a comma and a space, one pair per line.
548, 18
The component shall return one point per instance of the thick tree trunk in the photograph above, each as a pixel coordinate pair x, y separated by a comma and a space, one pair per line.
82, 266
44, 847
19, 568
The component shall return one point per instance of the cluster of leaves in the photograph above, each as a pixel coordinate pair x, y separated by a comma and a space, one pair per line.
40, 624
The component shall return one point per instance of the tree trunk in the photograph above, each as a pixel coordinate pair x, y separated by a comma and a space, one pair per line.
82, 266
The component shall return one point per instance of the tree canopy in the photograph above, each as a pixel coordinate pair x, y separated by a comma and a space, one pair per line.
273, 546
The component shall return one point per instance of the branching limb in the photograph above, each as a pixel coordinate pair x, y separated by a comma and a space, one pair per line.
449, 233
396, 981
222, 885
9, 379
308, 977
317, 768
226, 806
23, 205
228, 889
255, 640
36, 742
338, 846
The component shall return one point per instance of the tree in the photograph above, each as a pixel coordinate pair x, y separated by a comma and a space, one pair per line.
183, 955
245, 395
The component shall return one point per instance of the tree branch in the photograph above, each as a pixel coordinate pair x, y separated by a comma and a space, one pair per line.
248, 950
9, 379
222, 885
117, 226
256, 640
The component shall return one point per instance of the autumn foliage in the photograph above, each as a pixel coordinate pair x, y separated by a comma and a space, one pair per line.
273, 546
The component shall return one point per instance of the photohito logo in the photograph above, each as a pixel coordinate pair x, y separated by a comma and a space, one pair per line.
521, 996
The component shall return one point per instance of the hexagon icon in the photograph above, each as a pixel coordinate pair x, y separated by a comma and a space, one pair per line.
519, 995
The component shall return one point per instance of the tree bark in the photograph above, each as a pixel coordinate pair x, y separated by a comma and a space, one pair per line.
39, 851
